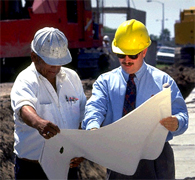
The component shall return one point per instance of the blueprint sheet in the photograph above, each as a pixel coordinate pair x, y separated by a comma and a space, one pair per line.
119, 146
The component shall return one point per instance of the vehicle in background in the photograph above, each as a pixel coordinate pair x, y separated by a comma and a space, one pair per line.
185, 38
74, 18
166, 55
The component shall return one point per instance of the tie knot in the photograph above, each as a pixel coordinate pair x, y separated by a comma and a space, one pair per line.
131, 76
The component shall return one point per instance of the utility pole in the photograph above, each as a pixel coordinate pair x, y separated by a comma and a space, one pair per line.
163, 19
128, 10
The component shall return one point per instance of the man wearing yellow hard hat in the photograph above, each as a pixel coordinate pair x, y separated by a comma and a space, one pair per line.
119, 91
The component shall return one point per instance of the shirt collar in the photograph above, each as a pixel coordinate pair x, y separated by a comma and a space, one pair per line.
61, 76
138, 74
125, 75
32, 66
141, 71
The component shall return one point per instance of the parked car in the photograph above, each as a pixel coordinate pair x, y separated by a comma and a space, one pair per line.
165, 54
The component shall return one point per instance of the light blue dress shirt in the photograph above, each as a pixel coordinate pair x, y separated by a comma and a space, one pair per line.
106, 103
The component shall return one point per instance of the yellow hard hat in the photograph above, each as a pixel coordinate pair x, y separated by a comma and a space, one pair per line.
131, 38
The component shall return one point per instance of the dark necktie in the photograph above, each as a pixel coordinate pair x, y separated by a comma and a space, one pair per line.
130, 96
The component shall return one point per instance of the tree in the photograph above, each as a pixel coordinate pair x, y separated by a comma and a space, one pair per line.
154, 37
166, 35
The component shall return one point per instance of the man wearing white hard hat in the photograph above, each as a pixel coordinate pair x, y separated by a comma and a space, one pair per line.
45, 98
106, 44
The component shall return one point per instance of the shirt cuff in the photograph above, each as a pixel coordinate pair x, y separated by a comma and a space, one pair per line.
93, 124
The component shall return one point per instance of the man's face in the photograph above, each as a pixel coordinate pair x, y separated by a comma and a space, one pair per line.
131, 66
46, 70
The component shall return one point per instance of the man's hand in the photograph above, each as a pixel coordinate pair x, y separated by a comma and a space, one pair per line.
75, 162
46, 128
93, 129
171, 123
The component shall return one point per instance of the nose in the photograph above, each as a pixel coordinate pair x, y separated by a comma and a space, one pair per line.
55, 68
127, 58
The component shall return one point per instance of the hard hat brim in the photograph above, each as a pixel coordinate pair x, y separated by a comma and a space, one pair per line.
116, 49
54, 61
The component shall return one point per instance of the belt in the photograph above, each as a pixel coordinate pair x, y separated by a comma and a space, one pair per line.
29, 160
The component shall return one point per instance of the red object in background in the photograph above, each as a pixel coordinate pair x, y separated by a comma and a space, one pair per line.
74, 18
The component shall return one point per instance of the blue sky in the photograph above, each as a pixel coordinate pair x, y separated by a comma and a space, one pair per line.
153, 11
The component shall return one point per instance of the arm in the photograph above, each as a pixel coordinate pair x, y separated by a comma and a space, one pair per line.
96, 108
178, 122
46, 128
30, 117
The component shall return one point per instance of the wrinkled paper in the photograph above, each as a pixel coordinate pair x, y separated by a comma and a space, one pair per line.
118, 146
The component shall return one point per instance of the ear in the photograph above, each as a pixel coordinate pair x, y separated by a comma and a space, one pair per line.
144, 52
33, 57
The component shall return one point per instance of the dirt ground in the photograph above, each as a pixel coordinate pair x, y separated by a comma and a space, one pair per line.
184, 76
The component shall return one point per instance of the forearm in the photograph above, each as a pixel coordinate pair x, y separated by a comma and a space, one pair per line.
179, 110
182, 123
96, 107
88, 124
46, 128
29, 116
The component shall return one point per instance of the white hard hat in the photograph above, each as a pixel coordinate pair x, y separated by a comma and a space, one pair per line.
52, 46
106, 38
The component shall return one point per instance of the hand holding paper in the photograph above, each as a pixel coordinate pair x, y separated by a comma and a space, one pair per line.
75, 162
171, 123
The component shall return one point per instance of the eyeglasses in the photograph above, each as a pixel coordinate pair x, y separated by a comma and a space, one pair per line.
122, 56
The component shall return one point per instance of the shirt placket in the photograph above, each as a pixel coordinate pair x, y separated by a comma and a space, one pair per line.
62, 121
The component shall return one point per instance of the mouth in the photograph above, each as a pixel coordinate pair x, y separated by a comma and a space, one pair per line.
51, 72
128, 64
